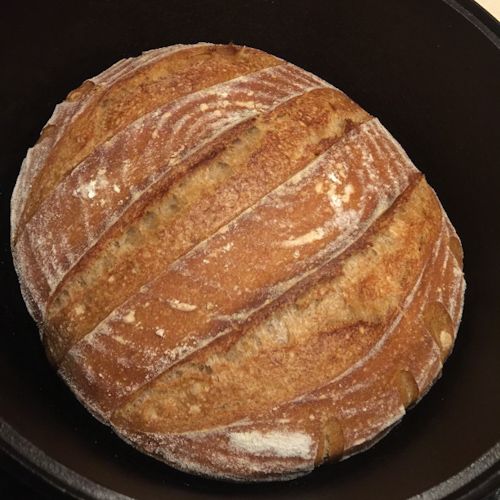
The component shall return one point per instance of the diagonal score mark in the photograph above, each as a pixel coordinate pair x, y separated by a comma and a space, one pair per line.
182, 351
119, 201
264, 165
166, 444
313, 394
66, 112
280, 82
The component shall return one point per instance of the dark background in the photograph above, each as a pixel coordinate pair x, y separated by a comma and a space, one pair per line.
432, 78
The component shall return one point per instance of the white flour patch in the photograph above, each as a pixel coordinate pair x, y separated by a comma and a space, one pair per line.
89, 189
281, 444
181, 306
314, 235
129, 317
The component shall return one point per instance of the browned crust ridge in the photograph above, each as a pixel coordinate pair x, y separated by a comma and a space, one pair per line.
233, 264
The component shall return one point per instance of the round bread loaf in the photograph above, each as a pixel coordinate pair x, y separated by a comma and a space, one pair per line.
232, 264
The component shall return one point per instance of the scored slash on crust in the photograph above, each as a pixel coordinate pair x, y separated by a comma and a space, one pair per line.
222, 303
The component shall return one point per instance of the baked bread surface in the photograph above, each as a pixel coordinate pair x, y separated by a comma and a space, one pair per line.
232, 264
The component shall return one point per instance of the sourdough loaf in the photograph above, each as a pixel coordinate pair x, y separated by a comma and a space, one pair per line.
232, 264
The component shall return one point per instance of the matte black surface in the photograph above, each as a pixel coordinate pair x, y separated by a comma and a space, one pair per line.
431, 77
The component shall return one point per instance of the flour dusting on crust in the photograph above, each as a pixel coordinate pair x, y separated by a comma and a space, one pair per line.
161, 371
281, 444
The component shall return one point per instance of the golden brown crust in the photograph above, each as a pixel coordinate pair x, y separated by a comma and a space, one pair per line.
225, 279
187, 208
108, 108
281, 344
122, 171
246, 280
